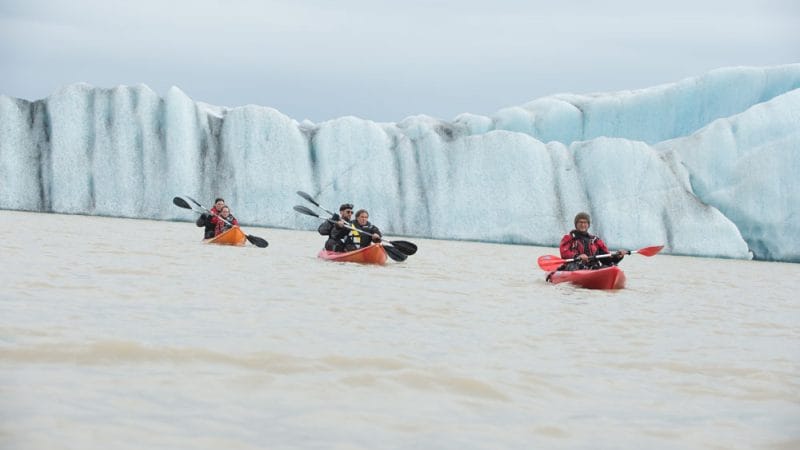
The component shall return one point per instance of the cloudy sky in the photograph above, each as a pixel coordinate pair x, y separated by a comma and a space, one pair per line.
380, 60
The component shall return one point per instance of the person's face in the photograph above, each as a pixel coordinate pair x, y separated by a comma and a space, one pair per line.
582, 225
225, 212
219, 205
347, 214
362, 219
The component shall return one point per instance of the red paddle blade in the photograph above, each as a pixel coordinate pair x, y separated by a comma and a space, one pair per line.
650, 251
550, 262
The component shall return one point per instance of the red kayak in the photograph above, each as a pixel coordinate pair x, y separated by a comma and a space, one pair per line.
374, 254
611, 277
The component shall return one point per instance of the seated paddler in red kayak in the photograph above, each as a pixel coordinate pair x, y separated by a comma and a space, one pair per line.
584, 247
586, 261
362, 223
337, 230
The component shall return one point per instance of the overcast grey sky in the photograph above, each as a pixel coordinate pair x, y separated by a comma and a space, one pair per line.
379, 60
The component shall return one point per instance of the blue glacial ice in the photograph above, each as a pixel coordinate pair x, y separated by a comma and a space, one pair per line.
706, 165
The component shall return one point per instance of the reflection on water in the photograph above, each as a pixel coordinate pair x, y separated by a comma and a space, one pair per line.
120, 333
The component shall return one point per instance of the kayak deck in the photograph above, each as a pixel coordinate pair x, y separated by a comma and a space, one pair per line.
611, 277
233, 236
373, 254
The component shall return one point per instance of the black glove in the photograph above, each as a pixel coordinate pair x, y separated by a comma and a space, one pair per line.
335, 217
202, 220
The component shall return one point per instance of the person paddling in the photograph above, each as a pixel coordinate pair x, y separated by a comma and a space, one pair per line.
205, 219
337, 230
580, 244
363, 224
223, 221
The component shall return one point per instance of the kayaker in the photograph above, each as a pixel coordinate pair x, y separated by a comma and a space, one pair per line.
220, 225
362, 223
337, 230
205, 219
579, 243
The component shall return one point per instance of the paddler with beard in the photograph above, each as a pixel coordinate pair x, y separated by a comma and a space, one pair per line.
580, 244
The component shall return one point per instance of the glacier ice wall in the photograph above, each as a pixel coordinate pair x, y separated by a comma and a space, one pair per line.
704, 165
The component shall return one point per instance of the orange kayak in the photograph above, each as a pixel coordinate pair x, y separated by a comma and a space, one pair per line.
606, 278
374, 254
233, 236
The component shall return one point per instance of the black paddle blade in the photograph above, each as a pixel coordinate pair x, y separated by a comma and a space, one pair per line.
196, 203
311, 199
257, 241
409, 248
306, 211
308, 197
181, 203
394, 253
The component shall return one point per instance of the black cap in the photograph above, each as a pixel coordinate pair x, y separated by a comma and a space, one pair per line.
345, 206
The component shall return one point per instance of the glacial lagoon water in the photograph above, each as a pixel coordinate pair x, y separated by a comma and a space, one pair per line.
131, 334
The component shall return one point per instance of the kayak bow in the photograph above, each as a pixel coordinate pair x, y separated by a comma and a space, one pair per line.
232, 236
611, 277
373, 254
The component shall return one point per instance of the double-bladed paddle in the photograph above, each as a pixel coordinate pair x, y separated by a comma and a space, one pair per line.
394, 253
408, 248
550, 262
311, 199
181, 203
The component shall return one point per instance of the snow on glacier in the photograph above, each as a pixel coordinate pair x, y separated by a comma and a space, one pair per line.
704, 166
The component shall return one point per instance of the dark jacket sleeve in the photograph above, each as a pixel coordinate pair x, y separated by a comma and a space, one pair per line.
325, 228
202, 220
375, 231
